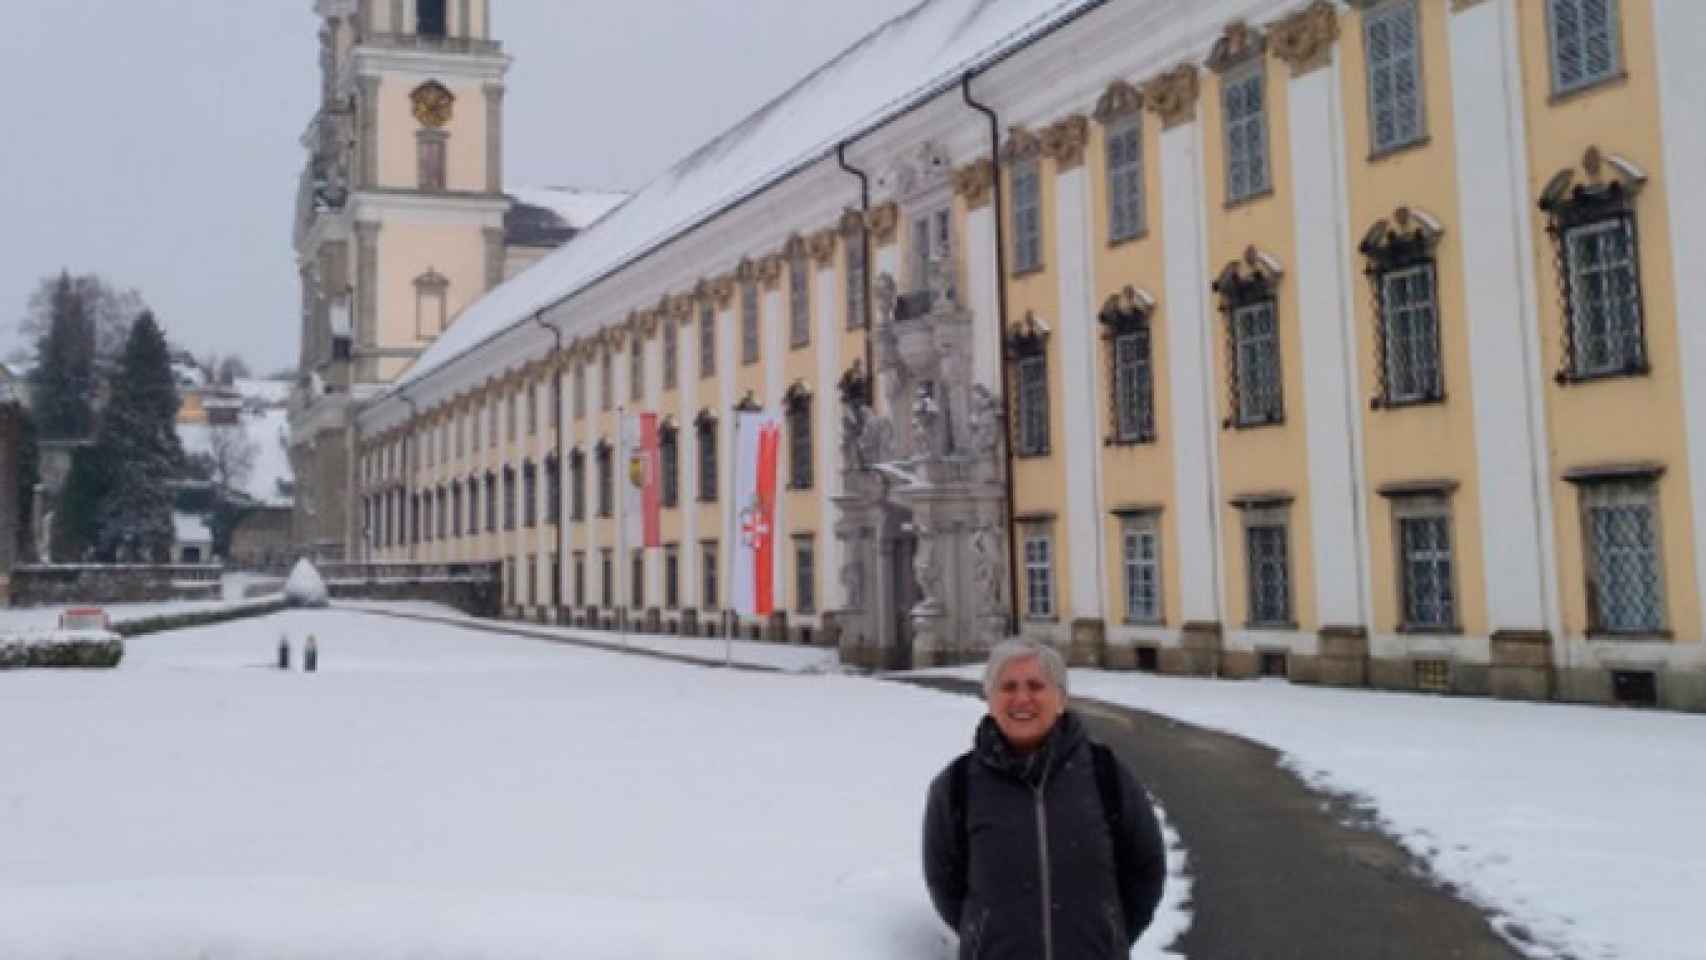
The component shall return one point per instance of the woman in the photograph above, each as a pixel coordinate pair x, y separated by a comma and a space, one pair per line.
1038, 843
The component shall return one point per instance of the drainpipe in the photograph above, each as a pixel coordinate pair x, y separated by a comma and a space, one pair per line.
411, 512
562, 463
1000, 340
865, 241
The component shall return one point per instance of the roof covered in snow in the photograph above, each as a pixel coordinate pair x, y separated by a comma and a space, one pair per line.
906, 60
263, 392
576, 208
189, 528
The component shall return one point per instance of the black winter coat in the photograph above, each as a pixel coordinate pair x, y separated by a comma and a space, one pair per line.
1038, 880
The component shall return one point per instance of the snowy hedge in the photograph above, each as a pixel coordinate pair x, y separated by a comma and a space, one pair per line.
60, 648
198, 618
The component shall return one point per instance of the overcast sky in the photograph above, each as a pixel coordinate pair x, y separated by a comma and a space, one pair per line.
158, 139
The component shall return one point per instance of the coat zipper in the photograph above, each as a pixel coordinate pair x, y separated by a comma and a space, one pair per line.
1042, 849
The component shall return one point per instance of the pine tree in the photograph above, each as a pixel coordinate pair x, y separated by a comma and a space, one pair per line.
29, 474
138, 447
76, 518
63, 383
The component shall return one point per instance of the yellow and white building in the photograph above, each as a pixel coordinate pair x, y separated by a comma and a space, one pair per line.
1342, 340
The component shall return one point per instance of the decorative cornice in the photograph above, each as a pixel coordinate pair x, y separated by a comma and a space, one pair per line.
723, 290
1238, 43
884, 221
1064, 140
615, 337
1021, 145
746, 271
821, 246
973, 181
1119, 101
1173, 95
770, 270
1304, 40
795, 246
679, 308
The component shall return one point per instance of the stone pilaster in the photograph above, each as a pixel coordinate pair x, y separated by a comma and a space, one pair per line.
494, 137
367, 288
494, 237
369, 132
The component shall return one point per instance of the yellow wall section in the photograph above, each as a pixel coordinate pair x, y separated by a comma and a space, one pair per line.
1135, 473
1625, 419
466, 151
1273, 457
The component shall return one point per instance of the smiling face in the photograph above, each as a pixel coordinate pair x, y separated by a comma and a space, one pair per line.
1025, 703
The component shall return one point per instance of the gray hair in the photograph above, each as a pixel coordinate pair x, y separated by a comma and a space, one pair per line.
1020, 648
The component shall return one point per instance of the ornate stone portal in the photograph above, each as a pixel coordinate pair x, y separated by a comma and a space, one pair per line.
922, 518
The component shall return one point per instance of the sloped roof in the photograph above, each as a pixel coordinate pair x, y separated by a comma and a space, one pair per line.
907, 59
576, 208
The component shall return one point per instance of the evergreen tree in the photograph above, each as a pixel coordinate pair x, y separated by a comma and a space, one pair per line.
63, 382
29, 474
138, 448
76, 519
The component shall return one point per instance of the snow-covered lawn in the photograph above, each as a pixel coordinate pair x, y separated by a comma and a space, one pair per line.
1585, 826
440, 792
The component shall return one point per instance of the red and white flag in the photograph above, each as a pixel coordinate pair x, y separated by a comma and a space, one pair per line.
641, 500
758, 440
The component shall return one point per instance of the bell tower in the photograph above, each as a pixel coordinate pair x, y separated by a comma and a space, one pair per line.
400, 218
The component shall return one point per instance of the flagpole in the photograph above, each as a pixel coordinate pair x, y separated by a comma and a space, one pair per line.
731, 524
622, 513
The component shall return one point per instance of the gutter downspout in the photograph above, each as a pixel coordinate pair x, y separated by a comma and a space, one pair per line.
562, 463
1000, 341
411, 510
865, 242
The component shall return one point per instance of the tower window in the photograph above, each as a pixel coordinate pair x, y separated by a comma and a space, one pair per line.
431, 19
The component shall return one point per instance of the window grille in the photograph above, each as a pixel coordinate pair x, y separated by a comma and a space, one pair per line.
854, 244
1605, 298
577, 485
530, 495
670, 332
1270, 574
748, 323
637, 579
671, 576
580, 578
491, 503
1027, 217
799, 298
1131, 378
532, 578
1256, 365
1039, 574
1410, 328
708, 574
1125, 180
1584, 35
606, 482
456, 509
1141, 566
805, 576
509, 498
799, 413
707, 342
607, 578
669, 465
1244, 108
1433, 675
1395, 97
1625, 572
1424, 546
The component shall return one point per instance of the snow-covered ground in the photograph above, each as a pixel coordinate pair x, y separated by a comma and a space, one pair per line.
1581, 827
23, 618
441, 792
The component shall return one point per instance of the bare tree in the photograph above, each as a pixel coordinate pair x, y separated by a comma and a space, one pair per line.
230, 457
113, 311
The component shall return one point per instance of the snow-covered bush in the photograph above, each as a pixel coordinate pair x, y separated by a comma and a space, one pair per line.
305, 588
60, 648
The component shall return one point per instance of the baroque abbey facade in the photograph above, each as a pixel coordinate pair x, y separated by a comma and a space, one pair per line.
1346, 341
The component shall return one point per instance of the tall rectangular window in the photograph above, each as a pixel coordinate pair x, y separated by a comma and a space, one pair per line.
1392, 42
580, 578
557, 399
1134, 384
1268, 568
491, 503
1255, 337
853, 241
800, 443
1125, 179
1425, 567
637, 368
1027, 217
1410, 334
580, 390
553, 490
707, 342
456, 509
1033, 405
606, 380
1244, 110
671, 331
1585, 43
1624, 565
799, 298
529, 494
492, 426
1140, 567
708, 575
606, 482
511, 419
707, 444
607, 578
577, 485
805, 575
637, 579
671, 576
669, 465
509, 498
1606, 325
748, 323
532, 409
932, 242
1039, 572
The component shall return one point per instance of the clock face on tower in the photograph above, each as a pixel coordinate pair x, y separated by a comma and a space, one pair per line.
433, 103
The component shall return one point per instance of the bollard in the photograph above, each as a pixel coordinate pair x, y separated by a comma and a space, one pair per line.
310, 655
284, 651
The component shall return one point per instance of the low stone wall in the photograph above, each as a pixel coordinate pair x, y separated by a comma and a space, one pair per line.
472, 588
106, 583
